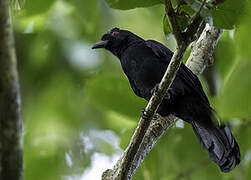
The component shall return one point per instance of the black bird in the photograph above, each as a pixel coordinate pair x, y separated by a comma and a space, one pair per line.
144, 63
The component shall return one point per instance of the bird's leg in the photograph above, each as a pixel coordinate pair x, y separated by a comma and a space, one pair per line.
167, 95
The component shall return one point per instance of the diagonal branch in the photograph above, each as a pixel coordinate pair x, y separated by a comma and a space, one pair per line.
125, 168
174, 25
196, 25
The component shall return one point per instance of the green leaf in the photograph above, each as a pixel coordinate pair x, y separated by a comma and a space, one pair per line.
242, 36
166, 26
37, 6
225, 55
234, 100
131, 4
187, 9
226, 15
183, 21
195, 5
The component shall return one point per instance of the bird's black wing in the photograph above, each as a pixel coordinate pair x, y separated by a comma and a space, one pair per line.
184, 73
159, 49
135, 89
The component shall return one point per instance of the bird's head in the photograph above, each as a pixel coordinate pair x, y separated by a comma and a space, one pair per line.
116, 40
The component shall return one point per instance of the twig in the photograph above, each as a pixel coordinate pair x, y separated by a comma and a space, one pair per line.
207, 40
173, 22
196, 25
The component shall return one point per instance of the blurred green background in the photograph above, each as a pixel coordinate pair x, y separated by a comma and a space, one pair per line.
79, 111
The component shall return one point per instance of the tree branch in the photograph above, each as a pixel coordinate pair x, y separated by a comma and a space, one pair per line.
197, 62
203, 49
173, 22
10, 118
196, 25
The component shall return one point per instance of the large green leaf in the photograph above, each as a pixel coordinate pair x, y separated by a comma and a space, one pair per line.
235, 98
243, 38
225, 55
226, 15
131, 4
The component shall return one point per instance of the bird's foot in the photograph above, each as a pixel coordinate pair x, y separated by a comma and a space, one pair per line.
144, 116
154, 90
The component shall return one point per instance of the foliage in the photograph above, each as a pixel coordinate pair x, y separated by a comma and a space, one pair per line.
73, 95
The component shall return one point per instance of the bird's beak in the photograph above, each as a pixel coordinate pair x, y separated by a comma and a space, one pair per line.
100, 44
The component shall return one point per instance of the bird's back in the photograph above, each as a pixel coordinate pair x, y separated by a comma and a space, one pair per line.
143, 69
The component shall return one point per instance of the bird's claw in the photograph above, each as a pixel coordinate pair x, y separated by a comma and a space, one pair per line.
154, 90
143, 114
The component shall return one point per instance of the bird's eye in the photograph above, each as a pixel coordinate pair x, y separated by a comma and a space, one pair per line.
115, 33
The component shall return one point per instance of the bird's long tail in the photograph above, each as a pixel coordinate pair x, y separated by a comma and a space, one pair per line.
220, 144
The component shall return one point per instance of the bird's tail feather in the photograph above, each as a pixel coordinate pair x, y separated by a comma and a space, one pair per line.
220, 144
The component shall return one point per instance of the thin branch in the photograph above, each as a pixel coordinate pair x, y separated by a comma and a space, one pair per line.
207, 40
196, 25
10, 118
199, 11
173, 22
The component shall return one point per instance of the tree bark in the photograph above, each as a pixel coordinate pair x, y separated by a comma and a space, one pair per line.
10, 103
